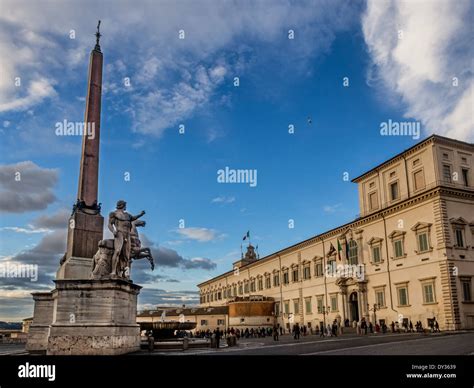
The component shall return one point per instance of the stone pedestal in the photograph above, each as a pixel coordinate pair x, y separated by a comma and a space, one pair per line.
86, 317
43, 317
84, 233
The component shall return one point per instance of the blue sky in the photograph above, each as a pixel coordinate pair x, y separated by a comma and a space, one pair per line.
191, 82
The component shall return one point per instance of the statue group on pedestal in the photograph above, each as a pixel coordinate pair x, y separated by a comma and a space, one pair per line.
114, 256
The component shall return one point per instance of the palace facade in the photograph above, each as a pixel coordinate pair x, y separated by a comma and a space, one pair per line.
409, 255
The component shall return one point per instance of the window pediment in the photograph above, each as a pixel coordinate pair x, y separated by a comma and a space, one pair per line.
396, 234
458, 221
375, 240
421, 225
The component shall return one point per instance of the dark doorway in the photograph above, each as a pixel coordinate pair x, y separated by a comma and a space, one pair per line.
354, 307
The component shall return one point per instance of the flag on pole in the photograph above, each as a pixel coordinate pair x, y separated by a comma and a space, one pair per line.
331, 250
347, 248
246, 236
339, 249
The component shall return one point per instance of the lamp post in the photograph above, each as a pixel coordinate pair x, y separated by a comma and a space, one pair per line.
325, 311
375, 308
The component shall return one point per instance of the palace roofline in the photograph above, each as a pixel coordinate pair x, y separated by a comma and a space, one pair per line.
420, 144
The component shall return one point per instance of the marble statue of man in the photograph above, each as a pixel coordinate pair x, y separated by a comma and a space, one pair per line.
120, 224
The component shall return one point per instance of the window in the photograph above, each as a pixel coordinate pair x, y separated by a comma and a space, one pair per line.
207, 297
307, 303
252, 286
459, 237
240, 289
380, 298
318, 268
287, 306
466, 290
398, 248
319, 304
394, 191
402, 295
446, 156
353, 254
268, 282
393, 174
220, 322
376, 254
296, 306
203, 322
286, 277
276, 279
418, 180
334, 302
306, 272
260, 284
246, 287
428, 293
447, 173
371, 185
331, 263
295, 273
373, 201
423, 245
277, 308
465, 174
416, 162
219, 295
464, 160
235, 291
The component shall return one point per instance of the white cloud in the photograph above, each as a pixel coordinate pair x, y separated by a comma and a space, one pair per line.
332, 208
223, 199
29, 230
417, 47
36, 91
199, 234
177, 78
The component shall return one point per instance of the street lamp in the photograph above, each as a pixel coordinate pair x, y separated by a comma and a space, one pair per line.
375, 308
325, 311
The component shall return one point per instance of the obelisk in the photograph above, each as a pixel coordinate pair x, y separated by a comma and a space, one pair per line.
86, 224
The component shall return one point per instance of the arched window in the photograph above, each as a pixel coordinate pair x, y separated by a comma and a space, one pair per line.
353, 253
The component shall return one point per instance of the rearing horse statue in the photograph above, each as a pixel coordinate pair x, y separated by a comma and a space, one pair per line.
137, 252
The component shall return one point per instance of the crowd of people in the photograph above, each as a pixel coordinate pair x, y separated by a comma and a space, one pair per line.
330, 330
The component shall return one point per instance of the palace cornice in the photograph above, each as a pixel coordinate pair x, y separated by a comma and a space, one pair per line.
356, 224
